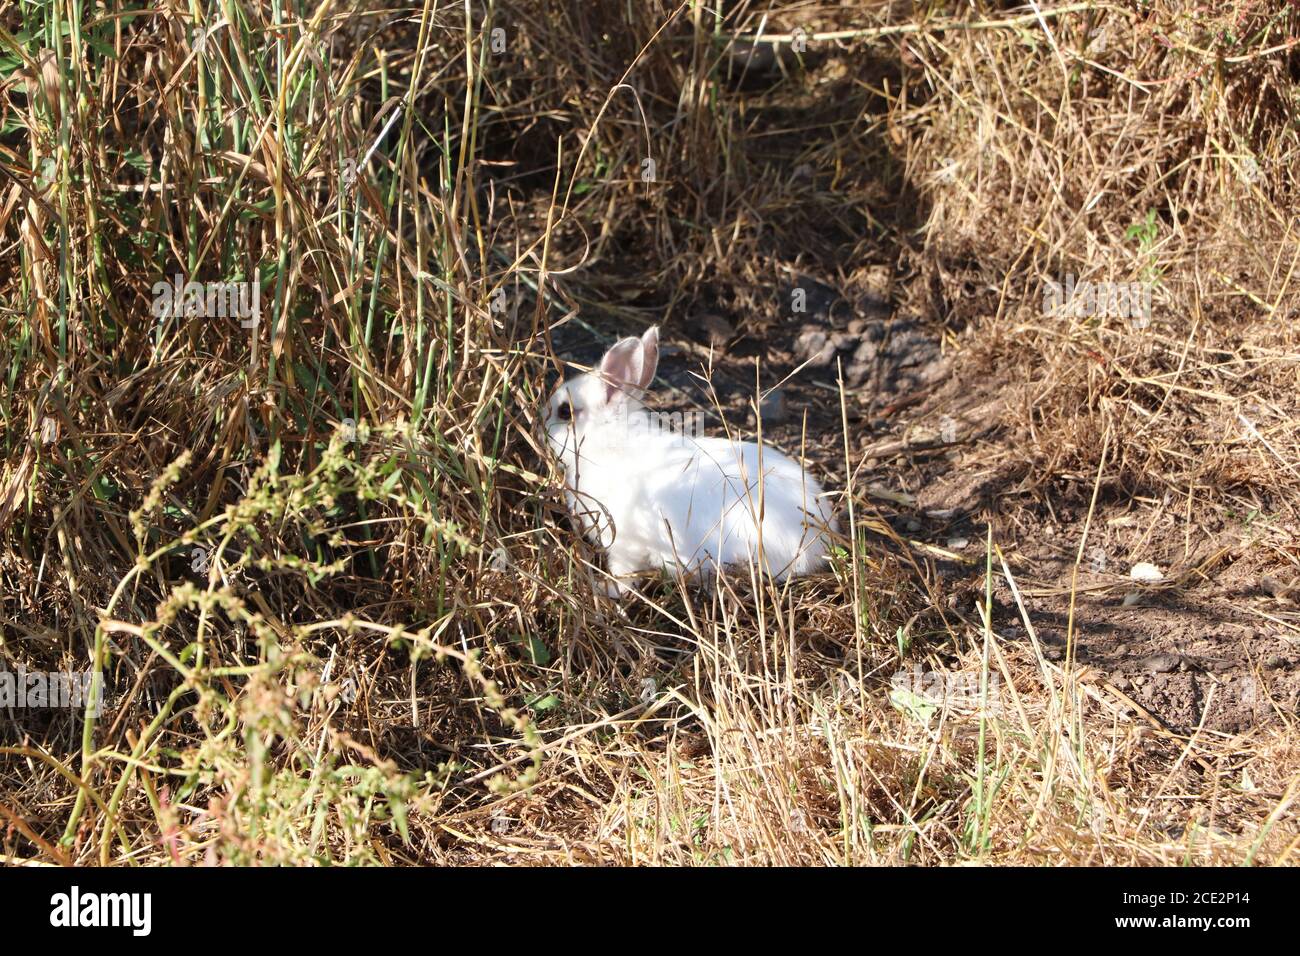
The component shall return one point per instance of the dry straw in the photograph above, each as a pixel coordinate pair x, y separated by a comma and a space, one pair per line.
324, 565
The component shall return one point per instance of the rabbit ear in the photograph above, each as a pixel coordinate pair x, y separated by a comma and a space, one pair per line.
629, 366
649, 356
622, 367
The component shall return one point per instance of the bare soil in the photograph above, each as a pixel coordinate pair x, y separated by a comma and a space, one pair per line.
1208, 647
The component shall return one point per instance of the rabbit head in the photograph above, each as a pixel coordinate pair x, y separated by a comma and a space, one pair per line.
598, 405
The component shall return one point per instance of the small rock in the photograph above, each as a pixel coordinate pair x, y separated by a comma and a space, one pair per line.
856, 374
1160, 663
1146, 573
814, 347
750, 66
874, 332
1273, 587
958, 544
773, 408
865, 353
913, 525
718, 332
752, 56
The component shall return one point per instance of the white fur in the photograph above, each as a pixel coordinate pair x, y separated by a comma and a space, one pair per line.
656, 499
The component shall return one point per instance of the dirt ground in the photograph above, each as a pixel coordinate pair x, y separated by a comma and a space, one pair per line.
1213, 645
939, 419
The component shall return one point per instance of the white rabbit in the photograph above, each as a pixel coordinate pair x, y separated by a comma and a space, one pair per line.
652, 497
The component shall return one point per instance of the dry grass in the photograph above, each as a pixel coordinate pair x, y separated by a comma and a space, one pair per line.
388, 647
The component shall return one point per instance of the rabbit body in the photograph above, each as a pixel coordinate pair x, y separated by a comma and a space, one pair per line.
654, 498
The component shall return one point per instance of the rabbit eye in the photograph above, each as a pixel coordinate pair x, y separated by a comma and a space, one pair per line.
565, 412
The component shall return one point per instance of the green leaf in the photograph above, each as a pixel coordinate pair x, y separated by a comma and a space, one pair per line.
535, 649
399, 818
912, 705
104, 489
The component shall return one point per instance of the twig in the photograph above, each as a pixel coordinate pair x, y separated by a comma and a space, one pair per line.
871, 33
